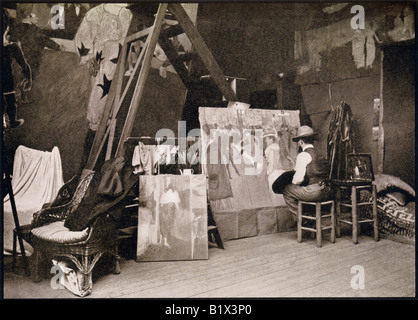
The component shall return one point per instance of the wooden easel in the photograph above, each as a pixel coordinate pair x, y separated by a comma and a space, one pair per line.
160, 32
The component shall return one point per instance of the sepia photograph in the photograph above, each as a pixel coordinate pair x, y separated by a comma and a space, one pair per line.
222, 152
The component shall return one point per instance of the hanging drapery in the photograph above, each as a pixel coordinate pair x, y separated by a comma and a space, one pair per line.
340, 140
99, 40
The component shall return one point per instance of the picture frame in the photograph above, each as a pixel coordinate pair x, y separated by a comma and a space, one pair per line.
359, 167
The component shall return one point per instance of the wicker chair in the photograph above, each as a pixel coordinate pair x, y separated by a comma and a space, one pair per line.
50, 238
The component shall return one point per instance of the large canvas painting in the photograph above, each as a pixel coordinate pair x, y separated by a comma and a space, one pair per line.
247, 182
172, 222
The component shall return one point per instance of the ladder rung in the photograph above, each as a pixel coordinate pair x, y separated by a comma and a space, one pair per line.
172, 31
185, 57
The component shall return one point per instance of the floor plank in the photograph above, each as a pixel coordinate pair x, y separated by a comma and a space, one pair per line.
269, 266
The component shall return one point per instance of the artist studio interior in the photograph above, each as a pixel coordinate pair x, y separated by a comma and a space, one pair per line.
208, 150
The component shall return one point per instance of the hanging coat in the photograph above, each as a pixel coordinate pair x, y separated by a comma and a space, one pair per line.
340, 140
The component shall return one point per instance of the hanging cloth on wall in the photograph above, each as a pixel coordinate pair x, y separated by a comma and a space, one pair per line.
143, 159
340, 140
99, 40
219, 186
363, 48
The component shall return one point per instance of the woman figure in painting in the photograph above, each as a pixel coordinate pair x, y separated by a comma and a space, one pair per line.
272, 154
169, 204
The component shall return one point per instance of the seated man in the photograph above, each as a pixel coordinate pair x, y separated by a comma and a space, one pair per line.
309, 179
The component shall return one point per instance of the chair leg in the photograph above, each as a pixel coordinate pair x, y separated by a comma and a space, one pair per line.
318, 225
86, 282
37, 256
375, 222
299, 222
354, 214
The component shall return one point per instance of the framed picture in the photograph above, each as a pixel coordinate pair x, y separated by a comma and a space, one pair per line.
359, 167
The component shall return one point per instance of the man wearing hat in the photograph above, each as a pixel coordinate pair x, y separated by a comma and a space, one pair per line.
309, 180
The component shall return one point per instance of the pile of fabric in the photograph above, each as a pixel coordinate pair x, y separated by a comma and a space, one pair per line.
395, 208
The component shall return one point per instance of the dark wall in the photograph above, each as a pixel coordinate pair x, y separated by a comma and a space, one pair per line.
399, 111
249, 40
56, 114
340, 80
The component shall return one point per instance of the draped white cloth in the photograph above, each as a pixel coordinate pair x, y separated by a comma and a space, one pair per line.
37, 178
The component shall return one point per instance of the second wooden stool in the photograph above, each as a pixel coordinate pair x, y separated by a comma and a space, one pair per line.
318, 218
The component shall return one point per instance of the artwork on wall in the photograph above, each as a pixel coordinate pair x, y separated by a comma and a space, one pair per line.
173, 223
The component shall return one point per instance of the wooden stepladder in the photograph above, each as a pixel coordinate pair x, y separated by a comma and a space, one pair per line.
160, 32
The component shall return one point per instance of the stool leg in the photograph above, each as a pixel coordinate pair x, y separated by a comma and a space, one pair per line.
375, 223
299, 222
354, 214
332, 222
318, 225
338, 213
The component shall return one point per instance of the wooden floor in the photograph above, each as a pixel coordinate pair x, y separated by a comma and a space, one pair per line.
272, 265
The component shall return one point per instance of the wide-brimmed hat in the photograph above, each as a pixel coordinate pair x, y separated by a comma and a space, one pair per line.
303, 132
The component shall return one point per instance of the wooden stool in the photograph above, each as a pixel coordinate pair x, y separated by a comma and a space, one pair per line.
317, 218
353, 203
